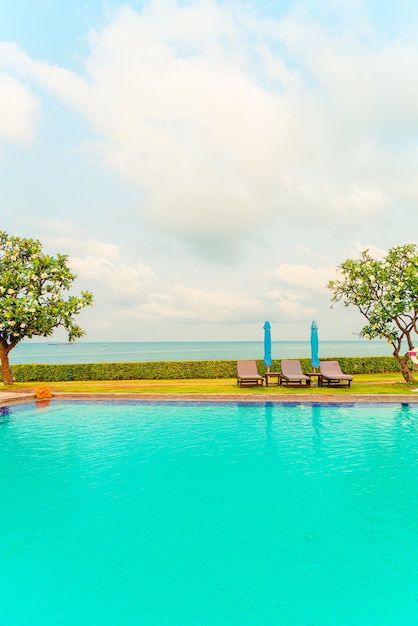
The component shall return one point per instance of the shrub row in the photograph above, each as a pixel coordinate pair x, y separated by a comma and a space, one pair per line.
351, 365
169, 370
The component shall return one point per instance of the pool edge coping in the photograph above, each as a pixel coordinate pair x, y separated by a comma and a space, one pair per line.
7, 397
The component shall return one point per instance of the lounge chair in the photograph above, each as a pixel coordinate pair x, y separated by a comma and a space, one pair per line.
292, 373
247, 374
332, 374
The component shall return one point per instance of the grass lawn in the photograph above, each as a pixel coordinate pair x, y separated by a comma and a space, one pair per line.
391, 383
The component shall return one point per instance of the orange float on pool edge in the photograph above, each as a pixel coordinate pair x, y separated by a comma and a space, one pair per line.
43, 392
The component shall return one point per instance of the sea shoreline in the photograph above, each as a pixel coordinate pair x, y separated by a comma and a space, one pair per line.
122, 352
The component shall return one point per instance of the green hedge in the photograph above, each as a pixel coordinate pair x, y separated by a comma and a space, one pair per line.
350, 365
360, 364
171, 370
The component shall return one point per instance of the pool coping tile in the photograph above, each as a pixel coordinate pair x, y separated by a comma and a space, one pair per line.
11, 397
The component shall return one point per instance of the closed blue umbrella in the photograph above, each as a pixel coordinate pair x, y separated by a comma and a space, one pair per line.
314, 345
267, 345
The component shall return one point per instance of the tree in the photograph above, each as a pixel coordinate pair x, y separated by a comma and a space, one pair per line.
32, 284
386, 293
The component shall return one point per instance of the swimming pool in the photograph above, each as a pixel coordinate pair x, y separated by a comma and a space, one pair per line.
211, 514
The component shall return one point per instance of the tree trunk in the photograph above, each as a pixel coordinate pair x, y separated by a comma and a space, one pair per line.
5, 367
406, 372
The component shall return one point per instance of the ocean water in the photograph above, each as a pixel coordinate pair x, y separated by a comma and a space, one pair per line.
118, 514
122, 352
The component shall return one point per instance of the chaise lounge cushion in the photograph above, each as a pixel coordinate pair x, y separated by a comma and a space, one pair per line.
332, 374
292, 373
247, 374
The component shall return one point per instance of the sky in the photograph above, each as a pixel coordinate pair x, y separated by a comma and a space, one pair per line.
208, 164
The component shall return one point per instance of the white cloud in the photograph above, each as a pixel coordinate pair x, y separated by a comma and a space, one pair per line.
374, 251
220, 131
61, 82
19, 110
288, 306
127, 283
180, 303
360, 203
305, 277
101, 249
144, 295
62, 235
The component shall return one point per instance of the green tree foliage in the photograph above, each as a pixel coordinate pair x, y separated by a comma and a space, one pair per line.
386, 293
31, 296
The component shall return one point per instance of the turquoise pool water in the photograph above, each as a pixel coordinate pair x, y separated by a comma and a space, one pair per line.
208, 514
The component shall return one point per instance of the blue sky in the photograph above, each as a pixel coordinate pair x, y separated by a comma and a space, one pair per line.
206, 165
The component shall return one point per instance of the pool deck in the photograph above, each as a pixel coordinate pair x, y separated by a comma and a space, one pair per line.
29, 395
